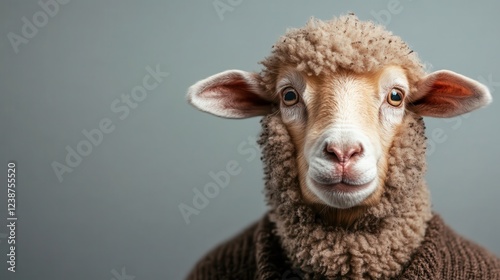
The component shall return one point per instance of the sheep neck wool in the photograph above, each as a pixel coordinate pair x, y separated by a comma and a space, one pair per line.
381, 242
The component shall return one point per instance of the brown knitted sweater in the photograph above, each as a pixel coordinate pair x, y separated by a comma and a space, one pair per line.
256, 254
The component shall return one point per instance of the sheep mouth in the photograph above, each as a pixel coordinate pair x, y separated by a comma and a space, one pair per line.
342, 194
341, 187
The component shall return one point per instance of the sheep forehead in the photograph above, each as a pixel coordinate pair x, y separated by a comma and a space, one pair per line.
341, 92
346, 99
345, 43
343, 100
330, 91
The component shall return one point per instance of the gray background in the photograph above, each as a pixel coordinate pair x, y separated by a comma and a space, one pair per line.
119, 207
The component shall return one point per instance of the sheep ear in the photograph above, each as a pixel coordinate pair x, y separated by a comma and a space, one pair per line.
445, 94
230, 94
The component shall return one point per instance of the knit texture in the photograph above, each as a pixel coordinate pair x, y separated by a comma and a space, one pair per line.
256, 254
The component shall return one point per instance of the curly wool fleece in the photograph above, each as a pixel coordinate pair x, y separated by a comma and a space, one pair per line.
381, 242
340, 43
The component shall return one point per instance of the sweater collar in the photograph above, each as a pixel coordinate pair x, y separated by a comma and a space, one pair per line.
272, 263
380, 244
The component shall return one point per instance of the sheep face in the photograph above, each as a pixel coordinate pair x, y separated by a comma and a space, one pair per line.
342, 97
342, 125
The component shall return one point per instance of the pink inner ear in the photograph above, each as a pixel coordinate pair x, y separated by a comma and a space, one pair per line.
445, 95
232, 94
448, 94
450, 89
238, 94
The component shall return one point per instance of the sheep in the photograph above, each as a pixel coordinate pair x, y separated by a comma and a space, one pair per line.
343, 147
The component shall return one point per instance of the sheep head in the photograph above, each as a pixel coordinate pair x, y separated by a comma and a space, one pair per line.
342, 89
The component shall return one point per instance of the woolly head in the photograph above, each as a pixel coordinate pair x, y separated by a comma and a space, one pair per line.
342, 88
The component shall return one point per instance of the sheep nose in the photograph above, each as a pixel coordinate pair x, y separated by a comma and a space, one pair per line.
343, 153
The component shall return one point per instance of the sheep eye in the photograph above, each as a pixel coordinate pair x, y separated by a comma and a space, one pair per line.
395, 97
290, 96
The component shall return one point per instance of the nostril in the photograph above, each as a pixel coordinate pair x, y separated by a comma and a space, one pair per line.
352, 152
345, 153
332, 151
335, 152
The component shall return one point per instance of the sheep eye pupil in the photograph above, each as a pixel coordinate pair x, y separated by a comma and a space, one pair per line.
395, 96
290, 96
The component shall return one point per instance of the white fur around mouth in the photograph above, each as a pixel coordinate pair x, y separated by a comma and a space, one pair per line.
341, 195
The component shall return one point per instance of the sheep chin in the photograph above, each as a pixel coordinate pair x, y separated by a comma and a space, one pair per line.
341, 194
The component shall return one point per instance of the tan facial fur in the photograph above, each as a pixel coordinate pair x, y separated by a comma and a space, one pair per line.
347, 112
